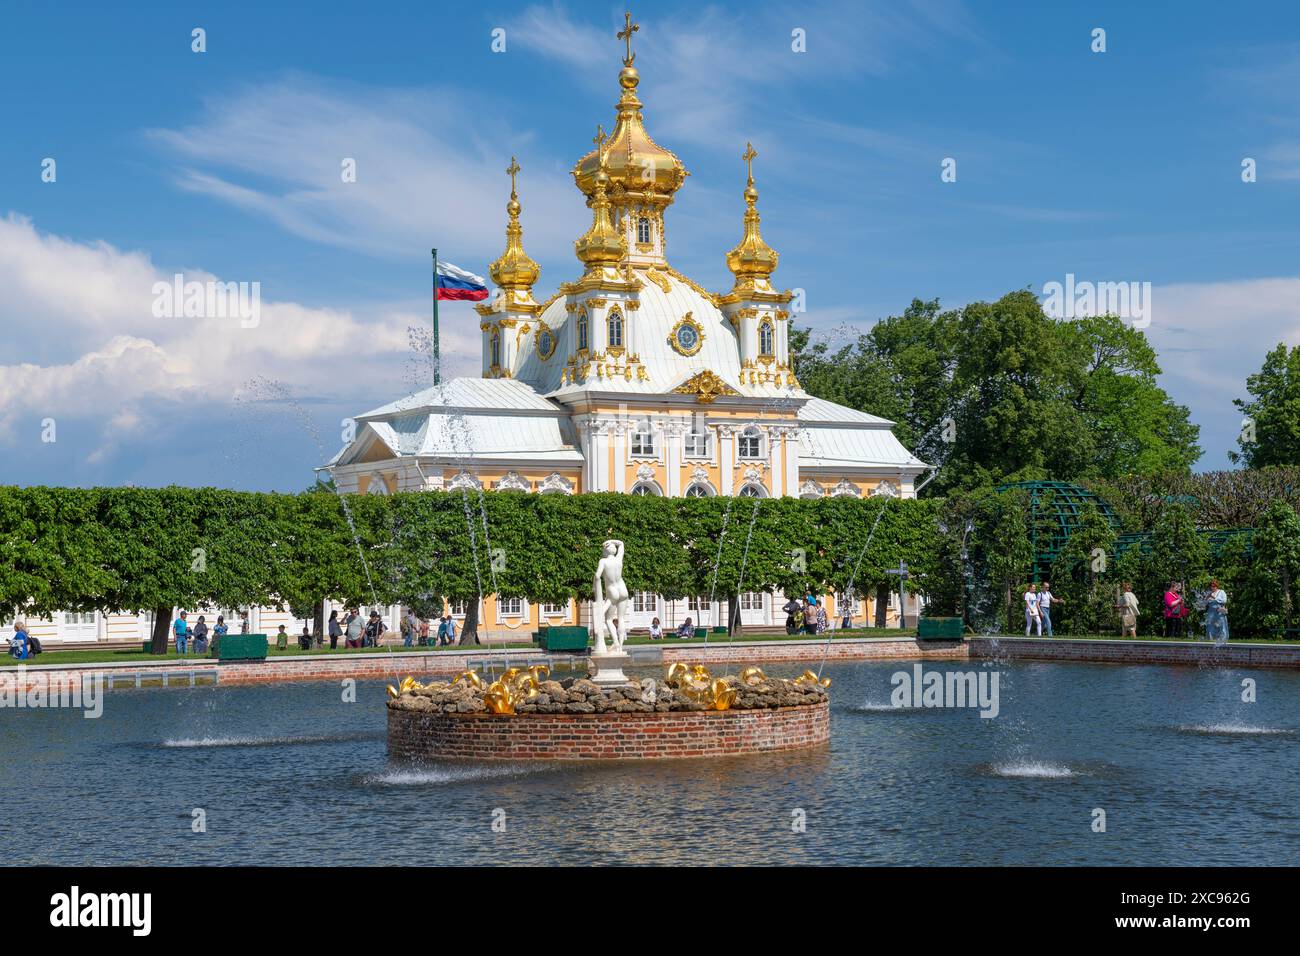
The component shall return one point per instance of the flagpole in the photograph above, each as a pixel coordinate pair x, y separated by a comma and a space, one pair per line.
437, 356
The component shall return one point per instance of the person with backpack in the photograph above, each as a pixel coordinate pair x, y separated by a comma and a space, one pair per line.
20, 643
791, 606
374, 630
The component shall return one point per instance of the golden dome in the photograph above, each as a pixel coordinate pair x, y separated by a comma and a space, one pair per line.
513, 269
602, 244
639, 169
753, 258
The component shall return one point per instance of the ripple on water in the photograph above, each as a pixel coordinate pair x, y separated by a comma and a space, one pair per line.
1234, 729
280, 741
421, 776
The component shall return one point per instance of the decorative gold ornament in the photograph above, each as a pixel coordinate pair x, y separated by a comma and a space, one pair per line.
687, 336
752, 676
808, 677
515, 687
753, 258
544, 341
639, 171
659, 279
705, 386
698, 685
513, 270
602, 244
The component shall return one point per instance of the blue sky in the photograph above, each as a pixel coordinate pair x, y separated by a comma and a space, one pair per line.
1115, 166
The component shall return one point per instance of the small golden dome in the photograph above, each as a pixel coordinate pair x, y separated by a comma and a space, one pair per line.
753, 258
639, 169
602, 244
514, 269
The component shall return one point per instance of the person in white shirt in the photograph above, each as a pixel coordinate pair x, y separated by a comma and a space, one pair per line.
1032, 617
1045, 599
656, 630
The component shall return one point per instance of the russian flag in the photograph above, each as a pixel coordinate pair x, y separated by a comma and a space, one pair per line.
453, 282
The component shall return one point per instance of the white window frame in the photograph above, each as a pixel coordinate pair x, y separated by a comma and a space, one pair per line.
643, 231
642, 432
690, 439
645, 602
750, 433
511, 607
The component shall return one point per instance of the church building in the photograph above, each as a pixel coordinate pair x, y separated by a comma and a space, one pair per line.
630, 377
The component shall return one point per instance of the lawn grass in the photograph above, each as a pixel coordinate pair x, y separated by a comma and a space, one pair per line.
135, 655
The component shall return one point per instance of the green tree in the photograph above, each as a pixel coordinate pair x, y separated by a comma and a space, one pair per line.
1271, 435
1277, 554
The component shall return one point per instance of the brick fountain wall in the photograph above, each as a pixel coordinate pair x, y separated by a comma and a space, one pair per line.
423, 735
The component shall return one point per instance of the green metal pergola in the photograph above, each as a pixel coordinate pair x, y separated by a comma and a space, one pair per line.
1060, 503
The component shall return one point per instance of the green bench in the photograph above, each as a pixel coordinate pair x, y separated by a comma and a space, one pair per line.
567, 637
939, 629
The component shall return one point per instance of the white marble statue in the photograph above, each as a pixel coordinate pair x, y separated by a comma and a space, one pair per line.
612, 601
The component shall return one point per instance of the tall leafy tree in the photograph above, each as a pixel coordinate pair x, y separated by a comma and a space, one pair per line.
1271, 436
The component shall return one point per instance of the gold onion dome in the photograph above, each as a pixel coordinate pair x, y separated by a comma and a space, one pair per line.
514, 269
602, 244
639, 169
753, 258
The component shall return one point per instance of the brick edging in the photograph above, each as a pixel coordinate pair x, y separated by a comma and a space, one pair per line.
1135, 652
429, 735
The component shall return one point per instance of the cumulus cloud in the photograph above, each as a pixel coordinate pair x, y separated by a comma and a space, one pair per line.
84, 343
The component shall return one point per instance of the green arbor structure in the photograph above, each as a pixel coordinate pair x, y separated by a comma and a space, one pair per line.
1054, 510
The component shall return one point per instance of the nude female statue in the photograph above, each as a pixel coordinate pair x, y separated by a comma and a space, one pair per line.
610, 609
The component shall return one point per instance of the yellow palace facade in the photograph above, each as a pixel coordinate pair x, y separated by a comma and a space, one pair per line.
630, 377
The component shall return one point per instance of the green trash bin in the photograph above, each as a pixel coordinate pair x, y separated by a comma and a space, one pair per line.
242, 647
565, 638
939, 629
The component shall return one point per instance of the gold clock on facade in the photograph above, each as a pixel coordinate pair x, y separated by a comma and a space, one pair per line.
687, 336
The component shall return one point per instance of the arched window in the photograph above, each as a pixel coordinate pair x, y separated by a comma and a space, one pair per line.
645, 488
643, 230
765, 339
496, 348
582, 331
616, 329
752, 491
751, 442
377, 486
698, 490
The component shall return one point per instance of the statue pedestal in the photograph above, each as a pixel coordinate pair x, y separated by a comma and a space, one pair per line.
609, 668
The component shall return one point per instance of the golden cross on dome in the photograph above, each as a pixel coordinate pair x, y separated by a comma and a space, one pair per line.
749, 156
512, 169
625, 35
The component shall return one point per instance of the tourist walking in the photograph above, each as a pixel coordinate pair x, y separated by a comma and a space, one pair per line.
218, 632
846, 621
1033, 616
424, 632
244, 624
181, 628
823, 620
335, 630
1216, 613
201, 636
810, 616
374, 628
451, 629
1175, 610
1045, 601
1128, 611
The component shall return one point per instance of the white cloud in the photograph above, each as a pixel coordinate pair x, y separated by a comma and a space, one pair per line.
428, 163
83, 343
1210, 337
